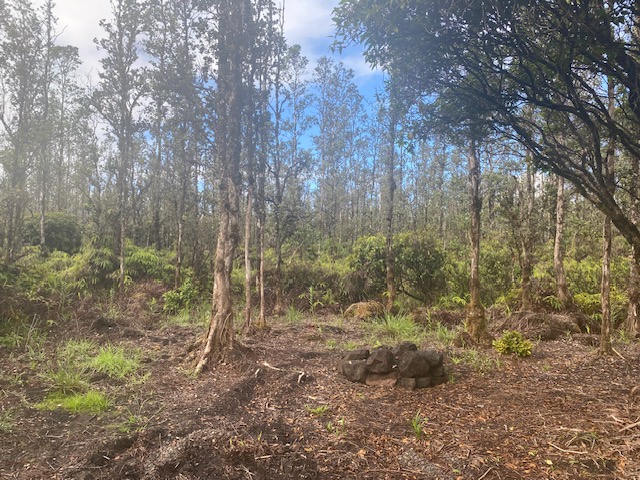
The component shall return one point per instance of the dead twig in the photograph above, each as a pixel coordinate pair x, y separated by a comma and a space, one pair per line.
575, 452
485, 473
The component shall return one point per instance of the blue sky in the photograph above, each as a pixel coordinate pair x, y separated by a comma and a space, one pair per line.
307, 22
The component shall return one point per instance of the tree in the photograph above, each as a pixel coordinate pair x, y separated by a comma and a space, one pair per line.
20, 88
562, 290
122, 85
509, 60
232, 48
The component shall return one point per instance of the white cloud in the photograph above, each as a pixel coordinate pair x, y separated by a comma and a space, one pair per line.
79, 22
308, 23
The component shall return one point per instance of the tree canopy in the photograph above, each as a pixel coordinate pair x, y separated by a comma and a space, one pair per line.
534, 71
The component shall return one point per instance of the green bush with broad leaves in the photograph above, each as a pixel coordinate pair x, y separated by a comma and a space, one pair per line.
513, 342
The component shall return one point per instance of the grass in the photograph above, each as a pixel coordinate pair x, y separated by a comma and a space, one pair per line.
116, 362
318, 411
89, 402
66, 379
417, 424
293, 315
480, 362
7, 422
398, 328
190, 317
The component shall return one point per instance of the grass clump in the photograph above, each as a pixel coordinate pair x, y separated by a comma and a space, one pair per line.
480, 362
398, 328
318, 411
418, 421
513, 342
88, 402
66, 379
293, 315
6, 421
116, 362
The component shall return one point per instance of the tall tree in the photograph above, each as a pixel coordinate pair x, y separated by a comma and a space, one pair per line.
232, 47
562, 290
20, 88
509, 60
118, 95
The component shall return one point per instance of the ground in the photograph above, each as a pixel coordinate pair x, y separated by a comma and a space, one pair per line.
281, 410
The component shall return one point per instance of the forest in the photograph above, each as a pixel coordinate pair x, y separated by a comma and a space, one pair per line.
201, 238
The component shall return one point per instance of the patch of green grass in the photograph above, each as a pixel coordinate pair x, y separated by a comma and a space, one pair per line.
77, 351
417, 424
116, 362
332, 344
11, 339
349, 345
66, 379
7, 422
293, 315
193, 317
318, 411
398, 328
443, 334
89, 402
480, 362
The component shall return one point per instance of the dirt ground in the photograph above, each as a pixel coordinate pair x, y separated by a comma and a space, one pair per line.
563, 413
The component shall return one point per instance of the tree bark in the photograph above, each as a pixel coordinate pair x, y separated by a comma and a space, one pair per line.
391, 189
632, 322
605, 294
476, 322
228, 131
562, 290
526, 240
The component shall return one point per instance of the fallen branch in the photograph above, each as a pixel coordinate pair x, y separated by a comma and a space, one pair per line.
485, 473
576, 452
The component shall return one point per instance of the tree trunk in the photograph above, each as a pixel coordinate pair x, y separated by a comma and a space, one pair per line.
562, 290
391, 188
228, 129
605, 294
476, 322
247, 259
526, 240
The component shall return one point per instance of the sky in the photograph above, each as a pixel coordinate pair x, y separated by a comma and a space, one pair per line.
307, 22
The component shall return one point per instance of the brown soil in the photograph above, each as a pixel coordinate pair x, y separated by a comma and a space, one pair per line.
563, 413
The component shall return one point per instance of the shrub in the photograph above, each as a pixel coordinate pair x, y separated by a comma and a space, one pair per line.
419, 266
513, 342
62, 232
182, 298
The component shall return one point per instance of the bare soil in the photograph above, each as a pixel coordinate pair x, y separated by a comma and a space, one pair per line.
563, 413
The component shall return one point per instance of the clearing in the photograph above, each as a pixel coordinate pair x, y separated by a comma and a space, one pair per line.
282, 410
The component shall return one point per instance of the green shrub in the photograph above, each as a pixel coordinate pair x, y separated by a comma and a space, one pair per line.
513, 342
419, 265
62, 232
182, 298
149, 263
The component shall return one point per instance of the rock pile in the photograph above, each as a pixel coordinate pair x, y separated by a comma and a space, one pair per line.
402, 365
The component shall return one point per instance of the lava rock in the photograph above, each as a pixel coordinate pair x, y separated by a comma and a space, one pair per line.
423, 382
403, 347
354, 370
433, 358
380, 360
413, 365
361, 354
382, 380
408, 383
